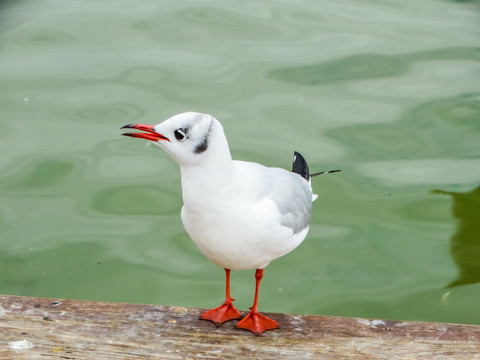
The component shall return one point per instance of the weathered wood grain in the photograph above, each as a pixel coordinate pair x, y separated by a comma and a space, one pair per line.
39, 328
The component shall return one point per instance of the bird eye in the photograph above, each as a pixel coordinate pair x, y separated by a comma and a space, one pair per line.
180, 134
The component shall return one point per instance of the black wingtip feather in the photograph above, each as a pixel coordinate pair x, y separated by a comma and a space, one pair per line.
300, 166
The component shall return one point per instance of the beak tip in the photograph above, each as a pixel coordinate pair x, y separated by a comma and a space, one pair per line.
150, 133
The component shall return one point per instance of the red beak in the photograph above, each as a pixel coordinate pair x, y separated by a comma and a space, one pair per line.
150, 134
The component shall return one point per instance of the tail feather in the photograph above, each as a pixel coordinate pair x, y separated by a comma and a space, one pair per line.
324, 172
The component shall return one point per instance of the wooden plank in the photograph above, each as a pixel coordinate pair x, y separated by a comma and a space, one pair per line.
39, 328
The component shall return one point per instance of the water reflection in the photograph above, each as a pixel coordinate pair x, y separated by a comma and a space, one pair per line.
465, 243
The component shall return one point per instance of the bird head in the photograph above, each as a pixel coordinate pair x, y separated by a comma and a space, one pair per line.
187, 137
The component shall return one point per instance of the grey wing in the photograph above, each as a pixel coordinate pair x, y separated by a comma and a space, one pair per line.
291, 194
293, 197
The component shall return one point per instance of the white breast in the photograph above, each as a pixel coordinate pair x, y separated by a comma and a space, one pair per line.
245, 221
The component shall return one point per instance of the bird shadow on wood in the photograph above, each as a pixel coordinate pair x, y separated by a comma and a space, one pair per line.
465, 242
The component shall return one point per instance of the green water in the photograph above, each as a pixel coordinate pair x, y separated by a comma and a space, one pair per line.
387, 91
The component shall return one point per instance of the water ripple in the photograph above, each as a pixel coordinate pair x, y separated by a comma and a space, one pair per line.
387, 91
42, 37
423, 171
40, 174
135, 200
427, 129
366, 66
116, 113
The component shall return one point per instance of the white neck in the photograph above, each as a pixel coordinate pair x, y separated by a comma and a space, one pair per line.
212, 175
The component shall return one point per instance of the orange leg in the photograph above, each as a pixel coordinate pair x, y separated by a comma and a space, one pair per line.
254, 321
226, 311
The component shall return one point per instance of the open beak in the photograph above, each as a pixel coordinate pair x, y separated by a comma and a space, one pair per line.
150, 134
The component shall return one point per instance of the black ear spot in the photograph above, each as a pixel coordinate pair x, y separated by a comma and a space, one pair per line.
180, 134
203, 145
200, 148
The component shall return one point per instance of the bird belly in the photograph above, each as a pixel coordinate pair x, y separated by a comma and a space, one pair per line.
239, 240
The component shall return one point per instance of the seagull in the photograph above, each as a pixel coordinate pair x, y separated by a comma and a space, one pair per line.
241, 215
